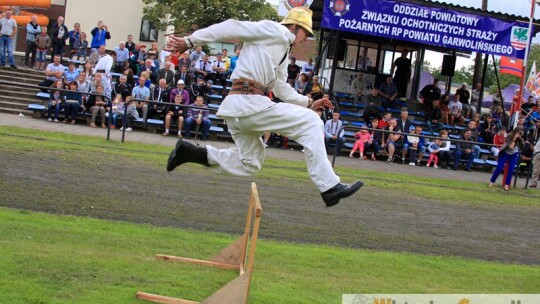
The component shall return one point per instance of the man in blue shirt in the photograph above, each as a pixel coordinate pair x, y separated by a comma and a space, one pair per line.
32, 30
99, 35
141, 92
122, 56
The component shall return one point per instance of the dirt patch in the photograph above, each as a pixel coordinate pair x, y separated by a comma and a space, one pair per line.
124, 189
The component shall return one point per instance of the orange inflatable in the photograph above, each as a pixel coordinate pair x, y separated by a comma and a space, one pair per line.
24, 17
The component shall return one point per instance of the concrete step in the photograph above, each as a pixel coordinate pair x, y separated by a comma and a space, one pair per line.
15, 111
17, 92
13, 105
24, 80
22, 71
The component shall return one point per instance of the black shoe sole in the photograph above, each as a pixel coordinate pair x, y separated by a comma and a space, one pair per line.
352, 190
172, 156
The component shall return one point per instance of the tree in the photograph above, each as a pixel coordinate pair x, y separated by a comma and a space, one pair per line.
188, 15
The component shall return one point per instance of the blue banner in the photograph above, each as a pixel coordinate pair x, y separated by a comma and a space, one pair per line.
427, 25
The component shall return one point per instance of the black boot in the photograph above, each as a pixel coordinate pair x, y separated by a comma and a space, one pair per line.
339, 191
186, 152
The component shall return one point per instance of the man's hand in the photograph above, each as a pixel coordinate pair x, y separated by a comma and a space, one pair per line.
176, 44
322, 103
198, 120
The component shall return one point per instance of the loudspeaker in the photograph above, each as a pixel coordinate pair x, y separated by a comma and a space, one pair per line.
340, 51
448, 65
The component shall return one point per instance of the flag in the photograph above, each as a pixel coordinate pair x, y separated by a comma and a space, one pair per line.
531, 81
511, 66
286, 5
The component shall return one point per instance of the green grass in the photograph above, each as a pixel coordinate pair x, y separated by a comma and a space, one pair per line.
155, 155
65, 259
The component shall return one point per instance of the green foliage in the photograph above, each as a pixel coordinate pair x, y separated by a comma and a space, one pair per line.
189, 15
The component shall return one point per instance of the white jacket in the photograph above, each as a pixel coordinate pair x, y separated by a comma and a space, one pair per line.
266, 43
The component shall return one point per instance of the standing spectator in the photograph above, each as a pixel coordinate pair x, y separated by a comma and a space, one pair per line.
56, 98
476, 106
32, 31
389, 92
498, 141
401, 69
73, 36
373, 106
444, 150
430, 93
536, 165
497, 101
175, 113
103, 66
100, 34
464, 97
8, 31
59, 35
363, 60
73, 103
464, 149
358, 86
293, 71
130, 45
122, 56
43, 42
434, 150
54, 72
308, 68
199, 117
508, 156
79, 46
331, 135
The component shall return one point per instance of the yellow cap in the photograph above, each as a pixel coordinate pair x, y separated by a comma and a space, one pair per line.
300, 16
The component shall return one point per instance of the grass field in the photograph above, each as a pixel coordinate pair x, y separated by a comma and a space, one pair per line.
91, 247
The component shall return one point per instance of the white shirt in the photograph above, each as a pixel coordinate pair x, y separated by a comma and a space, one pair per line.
266, 43
455, 107
331, 127
104, 63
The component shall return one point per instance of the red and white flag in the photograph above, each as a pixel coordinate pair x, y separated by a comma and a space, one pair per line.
511, 66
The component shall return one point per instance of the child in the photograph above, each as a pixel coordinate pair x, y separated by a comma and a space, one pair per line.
117, 109
413, 146
55, 100
73, 103
434, 149
131, 114
362, 137
43, 42
498, 141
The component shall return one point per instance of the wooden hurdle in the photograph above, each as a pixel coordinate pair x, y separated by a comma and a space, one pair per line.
234, 256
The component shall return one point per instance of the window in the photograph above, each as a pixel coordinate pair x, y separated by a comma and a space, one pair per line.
148, 31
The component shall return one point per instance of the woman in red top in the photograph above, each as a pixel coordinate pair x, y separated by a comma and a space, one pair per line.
498, 141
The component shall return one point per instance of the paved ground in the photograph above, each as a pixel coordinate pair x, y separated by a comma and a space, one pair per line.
149, 138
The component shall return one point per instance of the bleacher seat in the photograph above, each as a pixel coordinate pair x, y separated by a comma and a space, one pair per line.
37, 109
213, 106
43, 95
358, 124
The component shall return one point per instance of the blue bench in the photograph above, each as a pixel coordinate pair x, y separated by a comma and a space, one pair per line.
213, 106
215, 97
358, 124
43, 95
492, 163
37, 110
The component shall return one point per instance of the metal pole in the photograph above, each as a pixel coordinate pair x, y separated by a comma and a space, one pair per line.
482, 84
497, 78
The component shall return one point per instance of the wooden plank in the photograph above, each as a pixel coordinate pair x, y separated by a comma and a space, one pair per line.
162, 299
198, 262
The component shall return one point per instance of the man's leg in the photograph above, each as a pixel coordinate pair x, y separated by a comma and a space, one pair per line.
2, 51
457, 157
536, 170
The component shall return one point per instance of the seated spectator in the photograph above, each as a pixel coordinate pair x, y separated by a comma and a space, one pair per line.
78, 51
315, 88
456, 108
445, 111
331, 136
184, 75
130, 78
474, 136
358, 85
373, 104
83, 86
122, 57
508, 157
404, 125
43, 42
73, 103
122, 87
391, 141
131, 114
141, 92
199, 117
117, 109
412, 145
388, 91
199, 88
56, 99
167, 74
88, 68
175, 113
185, 61
444, 150
525, 158
54, 72
301, 83
363, 140
71, 74
204, 68
147, 75
385, 121
431, 92
218, 71
180, 89
376, 139
488, 130
497, 117
159, 94
150, 69
464, 150
434, 116
498, 141
96, 105
434, 149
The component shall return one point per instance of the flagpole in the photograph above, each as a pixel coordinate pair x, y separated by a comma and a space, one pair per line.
517, 106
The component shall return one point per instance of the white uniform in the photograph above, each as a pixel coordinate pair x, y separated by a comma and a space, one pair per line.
266, 44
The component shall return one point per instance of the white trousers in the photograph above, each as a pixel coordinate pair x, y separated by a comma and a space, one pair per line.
300, 124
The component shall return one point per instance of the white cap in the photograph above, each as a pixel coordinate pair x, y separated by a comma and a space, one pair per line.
180, 82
